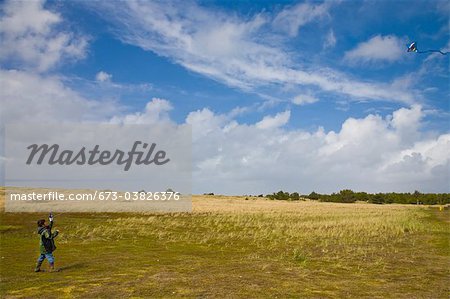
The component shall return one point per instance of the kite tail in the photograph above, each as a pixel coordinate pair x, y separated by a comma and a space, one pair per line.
435, 51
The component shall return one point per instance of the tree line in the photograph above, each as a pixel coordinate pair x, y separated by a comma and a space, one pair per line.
349, 196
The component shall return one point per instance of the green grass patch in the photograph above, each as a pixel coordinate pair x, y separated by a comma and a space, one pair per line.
309, 250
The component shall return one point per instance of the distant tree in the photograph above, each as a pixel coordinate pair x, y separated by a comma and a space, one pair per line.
443, 198
295, 196
347, 195
281, 195
314, 196
361, 196
377, 198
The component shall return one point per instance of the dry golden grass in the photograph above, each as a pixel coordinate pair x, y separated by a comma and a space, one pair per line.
232, 247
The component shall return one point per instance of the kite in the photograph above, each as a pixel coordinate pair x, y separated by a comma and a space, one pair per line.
413, 48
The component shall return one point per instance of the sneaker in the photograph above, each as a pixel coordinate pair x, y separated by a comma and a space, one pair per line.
55, 270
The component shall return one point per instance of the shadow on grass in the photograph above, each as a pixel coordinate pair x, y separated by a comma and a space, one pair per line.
72, 266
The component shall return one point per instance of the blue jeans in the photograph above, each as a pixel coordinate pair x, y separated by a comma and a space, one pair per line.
49, 257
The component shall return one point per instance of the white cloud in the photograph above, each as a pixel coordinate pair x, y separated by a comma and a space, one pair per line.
271, 122
406, 122
103, 76
33, 43
156, 111
371, 154
235, 51
304, 100
30, 97
29, 37
330, 40
387, 48
291, 18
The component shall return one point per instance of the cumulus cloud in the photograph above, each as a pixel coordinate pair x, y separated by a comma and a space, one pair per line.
304, 99
103, 76
204, 116
29, 37
31, 97
407, 121
372, 154
387, 48
33, 43
235, 51
271, 122
156, 111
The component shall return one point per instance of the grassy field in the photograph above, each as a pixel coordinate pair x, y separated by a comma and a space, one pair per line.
230, 247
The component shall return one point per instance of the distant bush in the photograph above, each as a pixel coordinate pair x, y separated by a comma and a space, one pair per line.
314, 196
376, 198
294, 196
347, 195
280, 195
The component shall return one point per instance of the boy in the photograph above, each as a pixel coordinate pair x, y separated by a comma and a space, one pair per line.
47, 244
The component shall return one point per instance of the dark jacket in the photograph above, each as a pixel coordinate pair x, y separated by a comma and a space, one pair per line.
47, 244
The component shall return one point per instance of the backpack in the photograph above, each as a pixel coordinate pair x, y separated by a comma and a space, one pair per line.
48, 243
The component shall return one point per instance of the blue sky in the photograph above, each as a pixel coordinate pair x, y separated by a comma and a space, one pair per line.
314, 79
188, 90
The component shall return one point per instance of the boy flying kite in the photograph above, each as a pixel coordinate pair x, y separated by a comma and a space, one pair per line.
47, 243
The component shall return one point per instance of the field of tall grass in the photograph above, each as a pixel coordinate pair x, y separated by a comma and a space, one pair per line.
232, 247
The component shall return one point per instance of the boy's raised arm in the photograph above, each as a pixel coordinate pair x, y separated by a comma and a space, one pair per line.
50, 218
